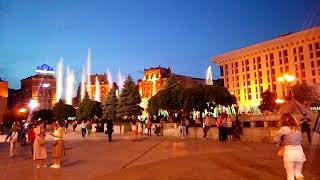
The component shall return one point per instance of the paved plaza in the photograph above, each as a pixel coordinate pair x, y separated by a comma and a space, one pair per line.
156, 158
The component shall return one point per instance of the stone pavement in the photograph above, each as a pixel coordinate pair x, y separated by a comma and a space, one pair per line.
156, 158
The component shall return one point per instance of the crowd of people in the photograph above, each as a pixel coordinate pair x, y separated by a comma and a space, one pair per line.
35, 135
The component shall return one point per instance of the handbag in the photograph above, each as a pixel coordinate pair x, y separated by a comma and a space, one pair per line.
41, 141
280, 152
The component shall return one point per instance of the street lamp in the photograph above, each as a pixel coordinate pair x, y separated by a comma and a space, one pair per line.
286, 79
33, 104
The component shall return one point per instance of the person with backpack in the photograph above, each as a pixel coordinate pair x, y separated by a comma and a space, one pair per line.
74, 126
305, 126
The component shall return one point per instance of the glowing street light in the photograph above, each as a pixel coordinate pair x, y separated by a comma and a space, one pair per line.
280, 79
279, 101
22, 110
33, 104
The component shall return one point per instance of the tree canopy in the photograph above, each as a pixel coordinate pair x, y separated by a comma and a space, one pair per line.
88, 109
268, 102
305, 94
129, 100
110, 105
45, 115
62, 111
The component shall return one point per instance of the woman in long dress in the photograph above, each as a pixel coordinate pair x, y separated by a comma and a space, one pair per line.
39, 146
58, 145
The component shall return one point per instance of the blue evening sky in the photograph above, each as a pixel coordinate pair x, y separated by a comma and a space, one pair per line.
137, 34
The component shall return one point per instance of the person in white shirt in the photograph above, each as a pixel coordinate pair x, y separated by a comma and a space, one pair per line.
83, 127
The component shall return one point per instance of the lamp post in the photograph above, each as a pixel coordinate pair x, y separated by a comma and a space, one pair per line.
285, 80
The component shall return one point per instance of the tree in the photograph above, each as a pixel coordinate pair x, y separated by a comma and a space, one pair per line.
153, 105
62, 111
304, 94
172, 82
110, 105
129, 100
268, 102
88, 109
44, 114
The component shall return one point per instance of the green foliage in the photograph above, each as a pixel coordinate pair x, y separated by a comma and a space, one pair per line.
44, 114
110, 105
129, 100
153, 105
268, 101
62, 111
88, 109
172, 82
304, 94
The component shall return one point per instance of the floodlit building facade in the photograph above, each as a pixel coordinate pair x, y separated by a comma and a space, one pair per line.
3, 99
249, 71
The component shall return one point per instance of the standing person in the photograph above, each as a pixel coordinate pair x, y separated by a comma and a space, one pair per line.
39, 146
219, 126
140, 129
134, 129
13, 139
187, 126
230, 129
83, 127
31, 136
206, 126
149, 125
109, 129
58, 150
183, 128
290, 137
305, 123
74, 126
237, 128
317, 124
89, 127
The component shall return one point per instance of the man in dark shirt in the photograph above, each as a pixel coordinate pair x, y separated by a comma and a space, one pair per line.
305, 126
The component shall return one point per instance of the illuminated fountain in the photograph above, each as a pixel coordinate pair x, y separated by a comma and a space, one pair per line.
120, 80
83, 88
209, 76
109, 78
88, 73
59, 85
69, 86
97, 96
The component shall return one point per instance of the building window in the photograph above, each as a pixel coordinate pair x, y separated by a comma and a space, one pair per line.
302, 65
280, 61
316, 45
313, 72
294, 50
286, 60
248, 83
285, 53
271, 56
274, 87
314, 81
318, 53
247, 62
310, 47
261, 88
301, 58
249, 97
272, 62
249, 90
247, 68
281, 70
311, 55
318, 63
300, 49
312, 64
287, 69
303, 74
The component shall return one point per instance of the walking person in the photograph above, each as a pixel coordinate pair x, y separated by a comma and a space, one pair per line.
109, 129
206, 126
183, 128
58, 150
305, 124
66, 125
230, 129
149, 125
83, 127
134, 129
74, 126
187, 126
89, 127
13, 139
237, 128
290, 137
39, 146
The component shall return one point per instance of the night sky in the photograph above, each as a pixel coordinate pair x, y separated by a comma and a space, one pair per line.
137, 34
